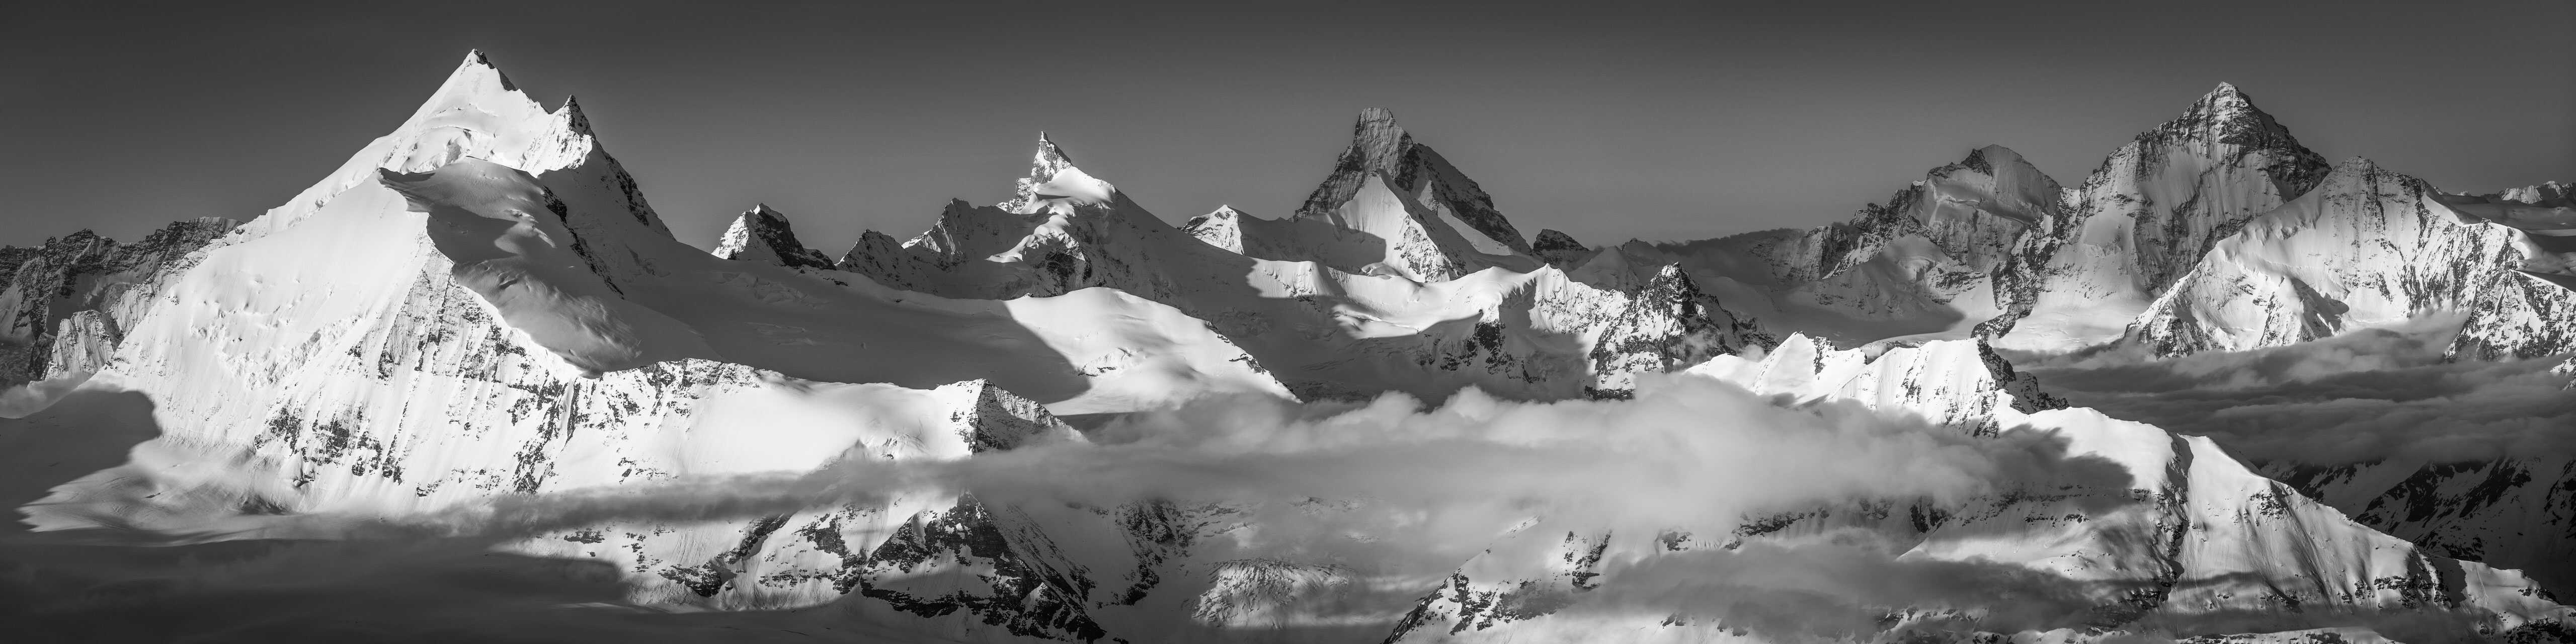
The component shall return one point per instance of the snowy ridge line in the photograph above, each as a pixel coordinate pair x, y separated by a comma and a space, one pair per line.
480, 312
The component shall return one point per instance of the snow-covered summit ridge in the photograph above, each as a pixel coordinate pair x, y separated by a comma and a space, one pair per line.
476, 112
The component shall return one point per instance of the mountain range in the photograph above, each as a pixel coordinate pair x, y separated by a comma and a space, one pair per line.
1387, 416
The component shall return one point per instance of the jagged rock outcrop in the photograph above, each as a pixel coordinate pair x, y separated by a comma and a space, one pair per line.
1668, 325
83, 343
763, 235
49, 286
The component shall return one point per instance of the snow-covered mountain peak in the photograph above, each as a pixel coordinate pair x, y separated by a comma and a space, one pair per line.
1379, 146
574, 121
762, 234
1052, 177
476, 112
2228, 115
477, 75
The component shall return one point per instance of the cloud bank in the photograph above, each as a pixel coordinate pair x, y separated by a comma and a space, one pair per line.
2364, 396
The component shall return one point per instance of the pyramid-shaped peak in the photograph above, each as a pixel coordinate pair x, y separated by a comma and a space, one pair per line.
2225, 110
2225, 99
763, 234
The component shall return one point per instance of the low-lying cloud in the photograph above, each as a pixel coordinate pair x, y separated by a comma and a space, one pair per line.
2364, 396
1388, 488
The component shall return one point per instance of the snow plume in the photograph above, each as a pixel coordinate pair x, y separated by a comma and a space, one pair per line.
2359, 397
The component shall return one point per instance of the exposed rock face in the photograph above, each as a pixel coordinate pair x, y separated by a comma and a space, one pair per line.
1667, 326
51, 287
2366, 247
1381, 148
83, 343
2152, 210
1559, 249
763, 235
2188, 535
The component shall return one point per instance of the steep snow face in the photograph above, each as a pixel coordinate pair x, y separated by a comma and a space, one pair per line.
2148, 214
1381, 231
763, 235
2187, 543
2366, 247
1408, 324
51, 288
509, 241
476, 112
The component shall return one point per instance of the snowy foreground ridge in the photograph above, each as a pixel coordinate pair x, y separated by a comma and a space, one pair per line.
1385, 417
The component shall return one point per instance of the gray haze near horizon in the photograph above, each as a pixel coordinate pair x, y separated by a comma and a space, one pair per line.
1605, 120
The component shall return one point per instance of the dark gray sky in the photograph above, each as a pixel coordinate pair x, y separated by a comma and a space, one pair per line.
1604, 119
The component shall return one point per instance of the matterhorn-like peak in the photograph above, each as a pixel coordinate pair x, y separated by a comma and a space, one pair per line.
762, 234
1380, 147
